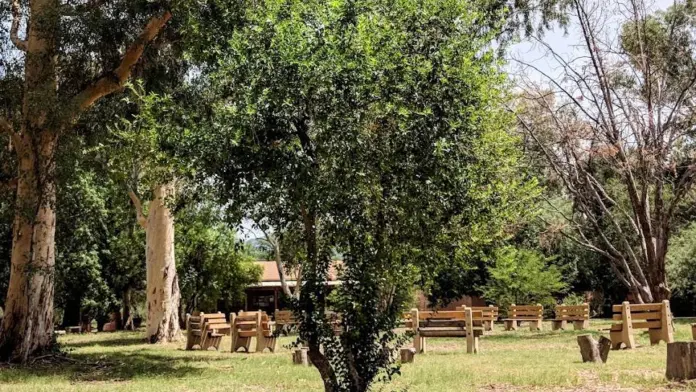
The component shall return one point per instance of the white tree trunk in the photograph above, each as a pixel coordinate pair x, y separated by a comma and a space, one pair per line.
162, 282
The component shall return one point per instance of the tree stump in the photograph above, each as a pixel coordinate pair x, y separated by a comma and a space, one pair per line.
681, 361
693, 331
300, 357
408, 355
592, 350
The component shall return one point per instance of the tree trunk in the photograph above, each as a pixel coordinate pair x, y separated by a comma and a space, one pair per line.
162, 283
127, 316
592, 350
681, 361
281, 269
27, 326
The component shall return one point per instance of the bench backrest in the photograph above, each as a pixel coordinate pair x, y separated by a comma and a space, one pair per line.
526, 312
573, 312
284, 316
489, 313
644, 316
445, 318
194, 321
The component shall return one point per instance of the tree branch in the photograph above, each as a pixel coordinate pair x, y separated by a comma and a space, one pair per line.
16, 18
6, 127
115, 79
142, 220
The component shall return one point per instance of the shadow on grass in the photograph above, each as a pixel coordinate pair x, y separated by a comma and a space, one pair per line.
111, 367
112, 342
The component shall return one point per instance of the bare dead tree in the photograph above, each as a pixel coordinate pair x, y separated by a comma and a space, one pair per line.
616, 129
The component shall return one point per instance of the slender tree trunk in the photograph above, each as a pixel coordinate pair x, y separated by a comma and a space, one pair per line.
127, 316
162, 283
281, 269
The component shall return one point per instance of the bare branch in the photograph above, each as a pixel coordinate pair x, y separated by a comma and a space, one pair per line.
115, 79
142, 219
14, 29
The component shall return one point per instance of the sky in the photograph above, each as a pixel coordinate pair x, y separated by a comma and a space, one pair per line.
566, 44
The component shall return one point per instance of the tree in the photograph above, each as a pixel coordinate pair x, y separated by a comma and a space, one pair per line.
379, 131
522, 276
137, 157
212, 268
58, 58
616, 129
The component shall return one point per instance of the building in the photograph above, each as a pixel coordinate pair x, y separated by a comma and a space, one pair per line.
268, 294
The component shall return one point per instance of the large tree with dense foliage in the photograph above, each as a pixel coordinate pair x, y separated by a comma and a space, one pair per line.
379, 130
69, 56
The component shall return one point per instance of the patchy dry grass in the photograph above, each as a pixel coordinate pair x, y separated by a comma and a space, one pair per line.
510, 361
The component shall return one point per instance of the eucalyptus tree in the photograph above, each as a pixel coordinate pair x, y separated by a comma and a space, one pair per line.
68, 56
378, 129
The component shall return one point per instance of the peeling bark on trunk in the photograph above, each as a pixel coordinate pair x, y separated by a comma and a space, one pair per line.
162, 283
28, 323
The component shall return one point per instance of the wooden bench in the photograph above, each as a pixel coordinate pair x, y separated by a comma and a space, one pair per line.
285, 321
656, 318
447, 323
490, 314
579, 315
205, 330
248, 325
533, 314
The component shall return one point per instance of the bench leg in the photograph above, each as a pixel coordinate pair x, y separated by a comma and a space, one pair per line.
511, 325
579, 325
472, 344
240, 342
655, 336
419, 344
535, 325
558, 324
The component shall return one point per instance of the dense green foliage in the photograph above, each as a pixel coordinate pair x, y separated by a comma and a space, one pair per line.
376, 129
522, 276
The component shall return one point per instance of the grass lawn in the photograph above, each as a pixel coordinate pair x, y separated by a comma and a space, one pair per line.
509, 361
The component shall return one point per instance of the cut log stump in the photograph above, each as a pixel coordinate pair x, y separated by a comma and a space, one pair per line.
681, 361
408, 355
300, 357
592, 350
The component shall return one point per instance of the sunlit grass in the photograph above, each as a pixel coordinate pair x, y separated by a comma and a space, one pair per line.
509, 361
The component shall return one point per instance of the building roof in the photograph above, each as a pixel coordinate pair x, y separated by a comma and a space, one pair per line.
271, 278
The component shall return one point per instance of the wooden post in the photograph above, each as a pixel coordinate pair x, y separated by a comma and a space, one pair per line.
414, 325
300, 357
511, 325
681, 361
627, 328
408, 355
693, 331
189, 332
667, 329
471, 339
490, 323
259, 333
233, 331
